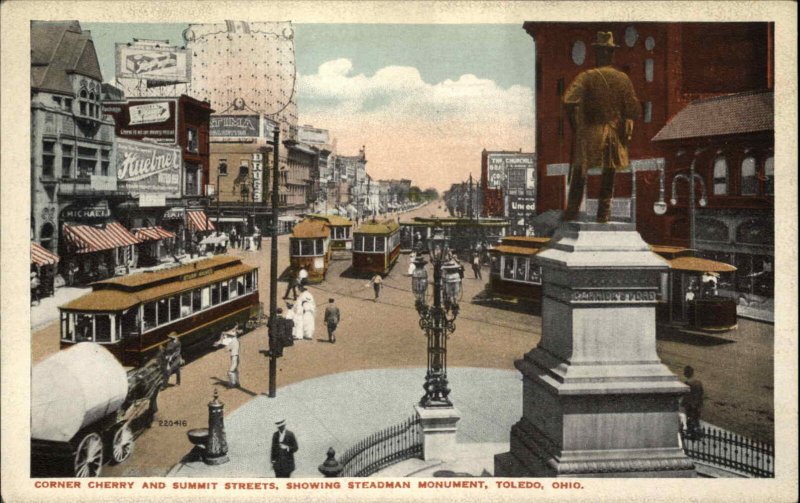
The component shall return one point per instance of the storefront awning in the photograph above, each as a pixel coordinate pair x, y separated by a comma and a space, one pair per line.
41, 256
154, 233
288, 218
695, 264
88, 238
197, 220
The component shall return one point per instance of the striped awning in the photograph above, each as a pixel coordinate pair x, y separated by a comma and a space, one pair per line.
154, 233
41, 256
197, 220
88, 238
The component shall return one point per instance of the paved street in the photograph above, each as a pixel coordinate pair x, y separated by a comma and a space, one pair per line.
736, 368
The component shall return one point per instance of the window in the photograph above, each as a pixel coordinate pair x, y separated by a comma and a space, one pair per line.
508, 268
174, 308
46, 236
192, 141
535, 274
749, 180
648, 69
186, 304
306, 247
369, 243
631, 36
48, 158
163, 311
67, 332
193, 180
223, 291
102, 328
57, 101
196, 301
650, 43
104, 162
240, 290
84, 327
215, 294
769, 176
648, 111
380, 244
248, 282
578, 52
319, 247
66, 161
359, 244
205, 297
87, 159
149, 315
720, 176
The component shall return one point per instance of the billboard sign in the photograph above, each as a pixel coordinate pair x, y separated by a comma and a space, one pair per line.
258, 183
145, 168
146, 119
153, 61
511, 171
235, 126
312, 136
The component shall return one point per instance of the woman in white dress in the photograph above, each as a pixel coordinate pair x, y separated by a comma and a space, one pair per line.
309, 308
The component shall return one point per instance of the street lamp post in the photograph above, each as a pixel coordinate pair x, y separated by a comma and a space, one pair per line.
437, 320
691, 179
222, 170
273, 265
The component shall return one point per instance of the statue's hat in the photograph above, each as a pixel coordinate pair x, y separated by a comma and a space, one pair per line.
605, 39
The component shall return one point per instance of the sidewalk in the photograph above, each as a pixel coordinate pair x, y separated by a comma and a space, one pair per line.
341, 409
46, 311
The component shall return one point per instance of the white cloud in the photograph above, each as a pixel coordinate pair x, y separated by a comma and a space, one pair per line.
408, 124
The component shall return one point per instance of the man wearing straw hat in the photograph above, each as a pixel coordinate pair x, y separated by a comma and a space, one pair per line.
601, 106
284, 445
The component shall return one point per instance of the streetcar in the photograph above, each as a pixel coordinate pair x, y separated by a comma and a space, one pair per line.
376, 247
341, 231
132, 316
464, 234
309, 247
513, 273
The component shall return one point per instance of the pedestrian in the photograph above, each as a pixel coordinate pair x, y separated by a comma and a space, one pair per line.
377, 283
412, 257
172, 359
291, 286
284, 445
693, 402
332, 317
476, 266
234, 238
286, 327
302, 276
601, 106
35, 287
257, 237
230, 339
309, 310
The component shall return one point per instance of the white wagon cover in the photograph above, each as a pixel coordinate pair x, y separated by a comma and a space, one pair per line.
74, 388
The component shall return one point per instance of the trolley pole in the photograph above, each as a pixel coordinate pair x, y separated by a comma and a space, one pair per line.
273, 265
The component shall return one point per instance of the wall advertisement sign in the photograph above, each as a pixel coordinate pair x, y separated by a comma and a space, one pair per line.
153, 61
152, 120
150, 113
312, 136
98, 210
511, 171
235, 126
258, 184
149, 169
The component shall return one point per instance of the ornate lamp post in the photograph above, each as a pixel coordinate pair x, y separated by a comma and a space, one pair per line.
438, 319
222, 170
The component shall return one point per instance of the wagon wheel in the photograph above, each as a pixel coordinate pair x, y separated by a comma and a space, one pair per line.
89, 456
122, 444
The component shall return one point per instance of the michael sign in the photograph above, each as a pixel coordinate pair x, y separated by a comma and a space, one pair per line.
147, 168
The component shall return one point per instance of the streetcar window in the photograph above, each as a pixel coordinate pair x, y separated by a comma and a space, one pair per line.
240, 285
215, 294
174, 308
248, 282
163, 311
205, 297
508, 267
223, 291
535, 274
522, 264
306, 247
495, 265
232, 288
369, 243
186, 304
380, 244
319, 247
359, 245
130, 322
102, 328
295, 247
149, 315
196, 304
66, 327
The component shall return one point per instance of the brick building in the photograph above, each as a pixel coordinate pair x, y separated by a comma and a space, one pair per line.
670, 65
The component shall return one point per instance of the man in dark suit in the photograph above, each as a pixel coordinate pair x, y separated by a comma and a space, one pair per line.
284, 445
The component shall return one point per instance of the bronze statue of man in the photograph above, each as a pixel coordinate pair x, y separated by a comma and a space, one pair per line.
601, 106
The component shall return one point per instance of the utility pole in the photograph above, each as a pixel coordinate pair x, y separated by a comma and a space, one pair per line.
273, 264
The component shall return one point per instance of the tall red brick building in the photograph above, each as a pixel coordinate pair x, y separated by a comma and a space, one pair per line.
670, 65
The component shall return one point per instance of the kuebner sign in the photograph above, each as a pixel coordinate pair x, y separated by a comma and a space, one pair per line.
146, 168
237, 126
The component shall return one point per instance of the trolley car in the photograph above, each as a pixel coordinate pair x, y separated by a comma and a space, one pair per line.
341, 231
309, 247
464, 234
132, 315
513, 273
376, 247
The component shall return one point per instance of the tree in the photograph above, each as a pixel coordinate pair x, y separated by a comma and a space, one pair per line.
431, 194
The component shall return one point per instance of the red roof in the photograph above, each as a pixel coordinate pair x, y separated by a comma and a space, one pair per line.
88, 238
749, 112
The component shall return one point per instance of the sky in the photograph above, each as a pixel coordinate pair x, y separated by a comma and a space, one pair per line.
424, 100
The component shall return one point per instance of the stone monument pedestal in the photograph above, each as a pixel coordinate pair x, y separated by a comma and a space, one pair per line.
597, 401
438, 431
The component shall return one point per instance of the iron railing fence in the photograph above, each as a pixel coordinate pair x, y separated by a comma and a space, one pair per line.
384, 448
729, 450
